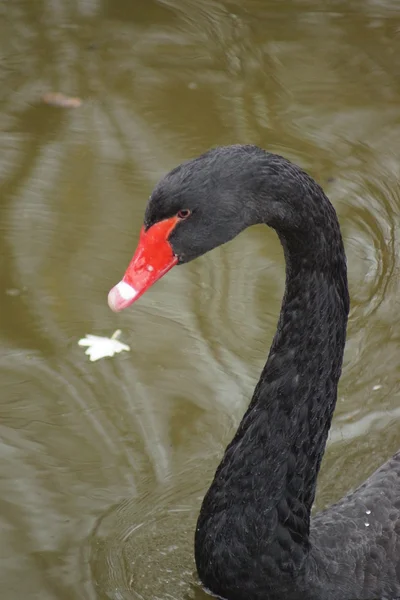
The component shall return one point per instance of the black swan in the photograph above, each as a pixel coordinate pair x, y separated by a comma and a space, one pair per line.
255, 539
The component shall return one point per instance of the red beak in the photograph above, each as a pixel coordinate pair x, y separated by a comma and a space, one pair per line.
152, 259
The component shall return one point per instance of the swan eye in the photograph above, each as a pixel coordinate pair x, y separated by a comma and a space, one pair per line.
183, 214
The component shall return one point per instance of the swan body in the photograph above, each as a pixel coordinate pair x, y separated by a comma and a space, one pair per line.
255, 538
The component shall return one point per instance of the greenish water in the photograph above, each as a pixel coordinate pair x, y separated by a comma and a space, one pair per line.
103, 465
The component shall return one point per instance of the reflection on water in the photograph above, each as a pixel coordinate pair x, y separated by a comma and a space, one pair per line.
104, 464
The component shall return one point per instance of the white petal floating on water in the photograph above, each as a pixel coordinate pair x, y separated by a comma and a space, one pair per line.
100, 347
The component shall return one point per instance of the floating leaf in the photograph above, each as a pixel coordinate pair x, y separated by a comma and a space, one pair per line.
61, 100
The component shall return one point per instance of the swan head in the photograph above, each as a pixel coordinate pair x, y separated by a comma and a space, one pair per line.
206, 202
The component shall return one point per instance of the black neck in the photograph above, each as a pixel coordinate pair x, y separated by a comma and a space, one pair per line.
260, 501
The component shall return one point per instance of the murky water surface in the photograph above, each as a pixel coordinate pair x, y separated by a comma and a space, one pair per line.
103, 465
